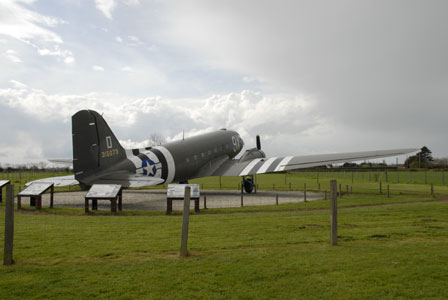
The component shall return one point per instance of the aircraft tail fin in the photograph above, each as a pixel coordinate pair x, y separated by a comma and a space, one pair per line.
95, 147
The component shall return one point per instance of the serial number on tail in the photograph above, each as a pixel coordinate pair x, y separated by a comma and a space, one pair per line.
109, 153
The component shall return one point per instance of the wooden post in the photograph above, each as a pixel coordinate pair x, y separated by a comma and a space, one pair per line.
205, 201
94, 204
9, 225
120, 200
432, 190
242, 201
333, 213
185, 223
276, 199
113, 205
52, 196
388, 194
381, 188
169, 205
39, 202
304, 192
86, 205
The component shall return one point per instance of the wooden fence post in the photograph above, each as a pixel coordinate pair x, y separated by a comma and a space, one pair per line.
242, 201
432, 190
185, 223
205, 201
381, 188
276, 199
9, 225
333, 213
304, 192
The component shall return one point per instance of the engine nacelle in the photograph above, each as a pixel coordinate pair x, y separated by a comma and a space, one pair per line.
252, 154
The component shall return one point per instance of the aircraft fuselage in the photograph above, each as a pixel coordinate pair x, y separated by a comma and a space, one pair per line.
182, 160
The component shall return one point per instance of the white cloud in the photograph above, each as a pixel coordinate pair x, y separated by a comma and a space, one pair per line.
127, 69
30, 27
131, 2
12, 56
106, 7
24, 148
66, 55
98, 68
247, 112
288, 124
18, 84
69, 60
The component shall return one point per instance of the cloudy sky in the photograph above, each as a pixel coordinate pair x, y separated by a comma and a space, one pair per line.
308, 76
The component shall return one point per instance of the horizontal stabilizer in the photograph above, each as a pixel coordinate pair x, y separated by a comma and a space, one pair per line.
127, 179
57, 181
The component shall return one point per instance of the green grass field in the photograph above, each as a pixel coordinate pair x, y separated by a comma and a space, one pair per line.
388, 249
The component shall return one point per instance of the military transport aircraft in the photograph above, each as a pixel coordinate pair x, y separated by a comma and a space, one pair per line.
98, 157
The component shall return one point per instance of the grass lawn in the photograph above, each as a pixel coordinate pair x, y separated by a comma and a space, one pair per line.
385, 252
393, 250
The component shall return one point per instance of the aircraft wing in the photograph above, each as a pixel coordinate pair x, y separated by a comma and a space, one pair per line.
126, 179
279, 164
62, 161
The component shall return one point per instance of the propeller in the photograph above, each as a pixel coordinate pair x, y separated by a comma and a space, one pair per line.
258, 142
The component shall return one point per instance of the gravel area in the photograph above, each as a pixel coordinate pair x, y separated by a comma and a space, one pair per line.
156, 199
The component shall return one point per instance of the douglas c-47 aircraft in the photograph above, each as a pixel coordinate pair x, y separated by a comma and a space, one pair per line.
98, 157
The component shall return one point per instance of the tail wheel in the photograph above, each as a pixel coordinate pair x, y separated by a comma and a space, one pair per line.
248, 185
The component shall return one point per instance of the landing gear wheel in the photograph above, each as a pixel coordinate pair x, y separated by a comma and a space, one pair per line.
248, 185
